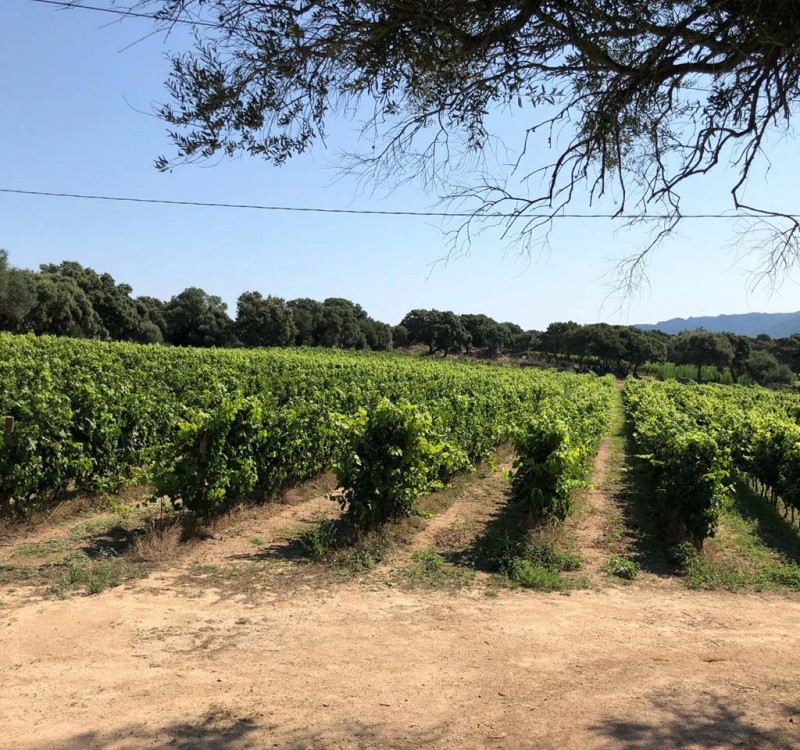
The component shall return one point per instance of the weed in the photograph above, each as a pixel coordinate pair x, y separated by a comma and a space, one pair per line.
788, 576
455, 535
318, 541
42, 549
431, 570
257, 541
621, 567
366, 554
92, 528
96, 576
533, 575
753, 549
122, 510
547, 556
157, 544
339, 543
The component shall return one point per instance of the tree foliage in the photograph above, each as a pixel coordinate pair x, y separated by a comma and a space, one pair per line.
264, 322
62, 308
765, 369
17, 295
68, 299
119, 315
645, 95
154, 325
195, 318
701, 348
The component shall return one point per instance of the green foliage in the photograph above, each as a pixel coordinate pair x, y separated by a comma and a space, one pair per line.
449, 334
195, 318
17, 295
671, 371
621, 567
212, 425
400, 336
554, 449
546, 555
119, 315
533, 575
764, 369
264, 322
394, 455
320, 539
538, 566
547, 470
686, 556
701, 348
213, 455
694, 436
339, 325
788, 576
689, 468
61, 308
430, 570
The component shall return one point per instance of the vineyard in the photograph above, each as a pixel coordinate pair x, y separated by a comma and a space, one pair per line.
698, 440
211, 427
256, 517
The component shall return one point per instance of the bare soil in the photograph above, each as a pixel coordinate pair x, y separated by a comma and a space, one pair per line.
359, 668
589, 524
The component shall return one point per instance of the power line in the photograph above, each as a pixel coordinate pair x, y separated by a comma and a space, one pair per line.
379, 212
126, 13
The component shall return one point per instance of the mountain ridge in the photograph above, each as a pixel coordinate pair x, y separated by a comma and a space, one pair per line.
776, 325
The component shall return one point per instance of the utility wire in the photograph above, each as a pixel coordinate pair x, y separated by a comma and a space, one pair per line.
379, 212
126, 13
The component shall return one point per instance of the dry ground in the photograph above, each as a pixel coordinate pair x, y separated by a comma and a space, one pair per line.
358, 668
238, 643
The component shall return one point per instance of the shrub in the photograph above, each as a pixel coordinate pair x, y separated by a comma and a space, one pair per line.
213, 456
394, 456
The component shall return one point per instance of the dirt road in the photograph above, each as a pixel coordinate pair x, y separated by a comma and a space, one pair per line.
146, 666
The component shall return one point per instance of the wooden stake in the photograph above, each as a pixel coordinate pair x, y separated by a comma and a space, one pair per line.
8, 430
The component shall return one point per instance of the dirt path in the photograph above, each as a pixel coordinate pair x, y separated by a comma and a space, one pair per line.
622, 668
590, 525
473, 507
597, 512
267, 530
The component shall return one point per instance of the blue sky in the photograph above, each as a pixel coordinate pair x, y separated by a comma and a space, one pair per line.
76, 105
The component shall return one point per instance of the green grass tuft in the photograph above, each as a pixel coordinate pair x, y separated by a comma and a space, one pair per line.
430, 570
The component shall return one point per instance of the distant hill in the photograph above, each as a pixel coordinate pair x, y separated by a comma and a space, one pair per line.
777, 325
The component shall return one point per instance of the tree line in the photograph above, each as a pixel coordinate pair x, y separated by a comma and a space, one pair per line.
68, 299
623, 349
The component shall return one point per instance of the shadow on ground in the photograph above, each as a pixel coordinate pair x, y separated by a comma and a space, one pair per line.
712, 723
635, 500
502, 537
114, 542
219, 730
290, 550
771, 527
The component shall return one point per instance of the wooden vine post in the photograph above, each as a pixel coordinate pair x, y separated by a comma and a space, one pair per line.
8, 430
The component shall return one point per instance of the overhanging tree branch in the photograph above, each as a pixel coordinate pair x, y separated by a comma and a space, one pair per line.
618, 77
